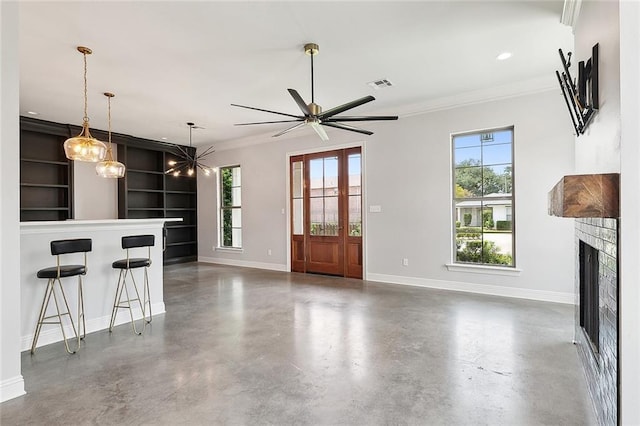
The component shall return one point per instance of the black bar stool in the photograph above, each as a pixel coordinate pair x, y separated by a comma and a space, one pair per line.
53, 274
125, 266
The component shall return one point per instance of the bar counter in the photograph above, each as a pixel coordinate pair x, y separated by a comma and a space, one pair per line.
99, 282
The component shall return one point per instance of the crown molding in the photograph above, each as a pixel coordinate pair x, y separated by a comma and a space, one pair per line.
570, 13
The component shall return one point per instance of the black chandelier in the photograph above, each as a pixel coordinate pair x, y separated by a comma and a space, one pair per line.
189, 160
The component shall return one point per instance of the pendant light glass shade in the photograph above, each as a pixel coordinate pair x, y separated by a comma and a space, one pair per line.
84, 147
108, 168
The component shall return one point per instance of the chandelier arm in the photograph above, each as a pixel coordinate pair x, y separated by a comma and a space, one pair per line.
206, 152
184, 152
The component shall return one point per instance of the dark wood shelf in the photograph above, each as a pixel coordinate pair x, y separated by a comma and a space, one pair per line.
33, 160
149, 172
146, 190
182, 192
43, 185
36, 209
181, 243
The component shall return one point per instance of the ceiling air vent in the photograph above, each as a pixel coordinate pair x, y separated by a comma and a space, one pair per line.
380, 84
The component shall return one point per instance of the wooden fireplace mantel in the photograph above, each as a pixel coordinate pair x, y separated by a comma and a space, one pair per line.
596, 195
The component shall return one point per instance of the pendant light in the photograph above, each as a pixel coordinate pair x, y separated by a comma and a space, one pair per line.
85, 147
108, 168
189, 160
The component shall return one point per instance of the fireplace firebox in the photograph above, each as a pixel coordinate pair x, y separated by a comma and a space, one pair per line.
589, 294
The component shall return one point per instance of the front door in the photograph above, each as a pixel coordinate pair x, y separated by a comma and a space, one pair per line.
326, 219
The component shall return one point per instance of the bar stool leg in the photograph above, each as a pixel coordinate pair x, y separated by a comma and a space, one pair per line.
81, 311
119, 302
116, 301
129, 300
43, 310
64, 298
147, 296
51, 284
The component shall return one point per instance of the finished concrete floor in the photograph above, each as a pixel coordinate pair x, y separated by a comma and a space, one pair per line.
248, 346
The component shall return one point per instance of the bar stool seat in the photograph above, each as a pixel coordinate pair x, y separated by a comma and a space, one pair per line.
53, 275
125, 296
62, 272
131, 263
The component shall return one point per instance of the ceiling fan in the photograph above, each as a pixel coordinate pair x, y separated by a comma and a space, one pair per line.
312, 113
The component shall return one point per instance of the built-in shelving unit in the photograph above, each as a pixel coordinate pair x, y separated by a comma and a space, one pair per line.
46, 176
46, 183
147, 192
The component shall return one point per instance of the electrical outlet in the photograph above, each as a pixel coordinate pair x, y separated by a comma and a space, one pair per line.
269, 252
405, 262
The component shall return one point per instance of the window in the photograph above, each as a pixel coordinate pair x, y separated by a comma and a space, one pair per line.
483, 197
230, 207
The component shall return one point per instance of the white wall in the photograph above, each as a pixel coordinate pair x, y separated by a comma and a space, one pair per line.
407, 173
94, 197
598, 149
630, 213
11, 381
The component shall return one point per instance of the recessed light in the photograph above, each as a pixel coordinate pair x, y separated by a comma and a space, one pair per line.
163, 138
32, 112
503, 56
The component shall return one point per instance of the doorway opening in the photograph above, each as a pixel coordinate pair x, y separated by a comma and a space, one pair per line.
326, 212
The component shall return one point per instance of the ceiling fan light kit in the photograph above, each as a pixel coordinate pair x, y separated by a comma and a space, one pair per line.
85, 147
313, 116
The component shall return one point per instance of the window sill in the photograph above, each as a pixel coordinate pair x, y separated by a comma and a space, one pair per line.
483, 269
229, 249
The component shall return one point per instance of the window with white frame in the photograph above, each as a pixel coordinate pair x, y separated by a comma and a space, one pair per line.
483, 197
230, 202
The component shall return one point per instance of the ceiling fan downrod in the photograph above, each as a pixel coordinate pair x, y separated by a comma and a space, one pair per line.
311, 49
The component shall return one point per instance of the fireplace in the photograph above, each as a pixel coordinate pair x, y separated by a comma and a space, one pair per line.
594, 201
589, 294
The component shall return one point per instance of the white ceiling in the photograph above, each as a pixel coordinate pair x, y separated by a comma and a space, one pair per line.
170, 62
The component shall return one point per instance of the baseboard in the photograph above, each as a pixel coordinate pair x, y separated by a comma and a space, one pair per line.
494, 290
244, 263
11, 388
52, 333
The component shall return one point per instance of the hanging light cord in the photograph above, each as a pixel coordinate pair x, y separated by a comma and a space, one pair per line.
109, 151
109, 118
86, 115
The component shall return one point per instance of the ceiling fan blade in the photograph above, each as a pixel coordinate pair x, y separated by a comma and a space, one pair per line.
287, 130
296, 97
319, 130
346, 127
268, 122
266, 110
364, 118
345, 107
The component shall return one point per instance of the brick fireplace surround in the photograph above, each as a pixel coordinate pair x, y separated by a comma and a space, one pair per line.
601, 368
